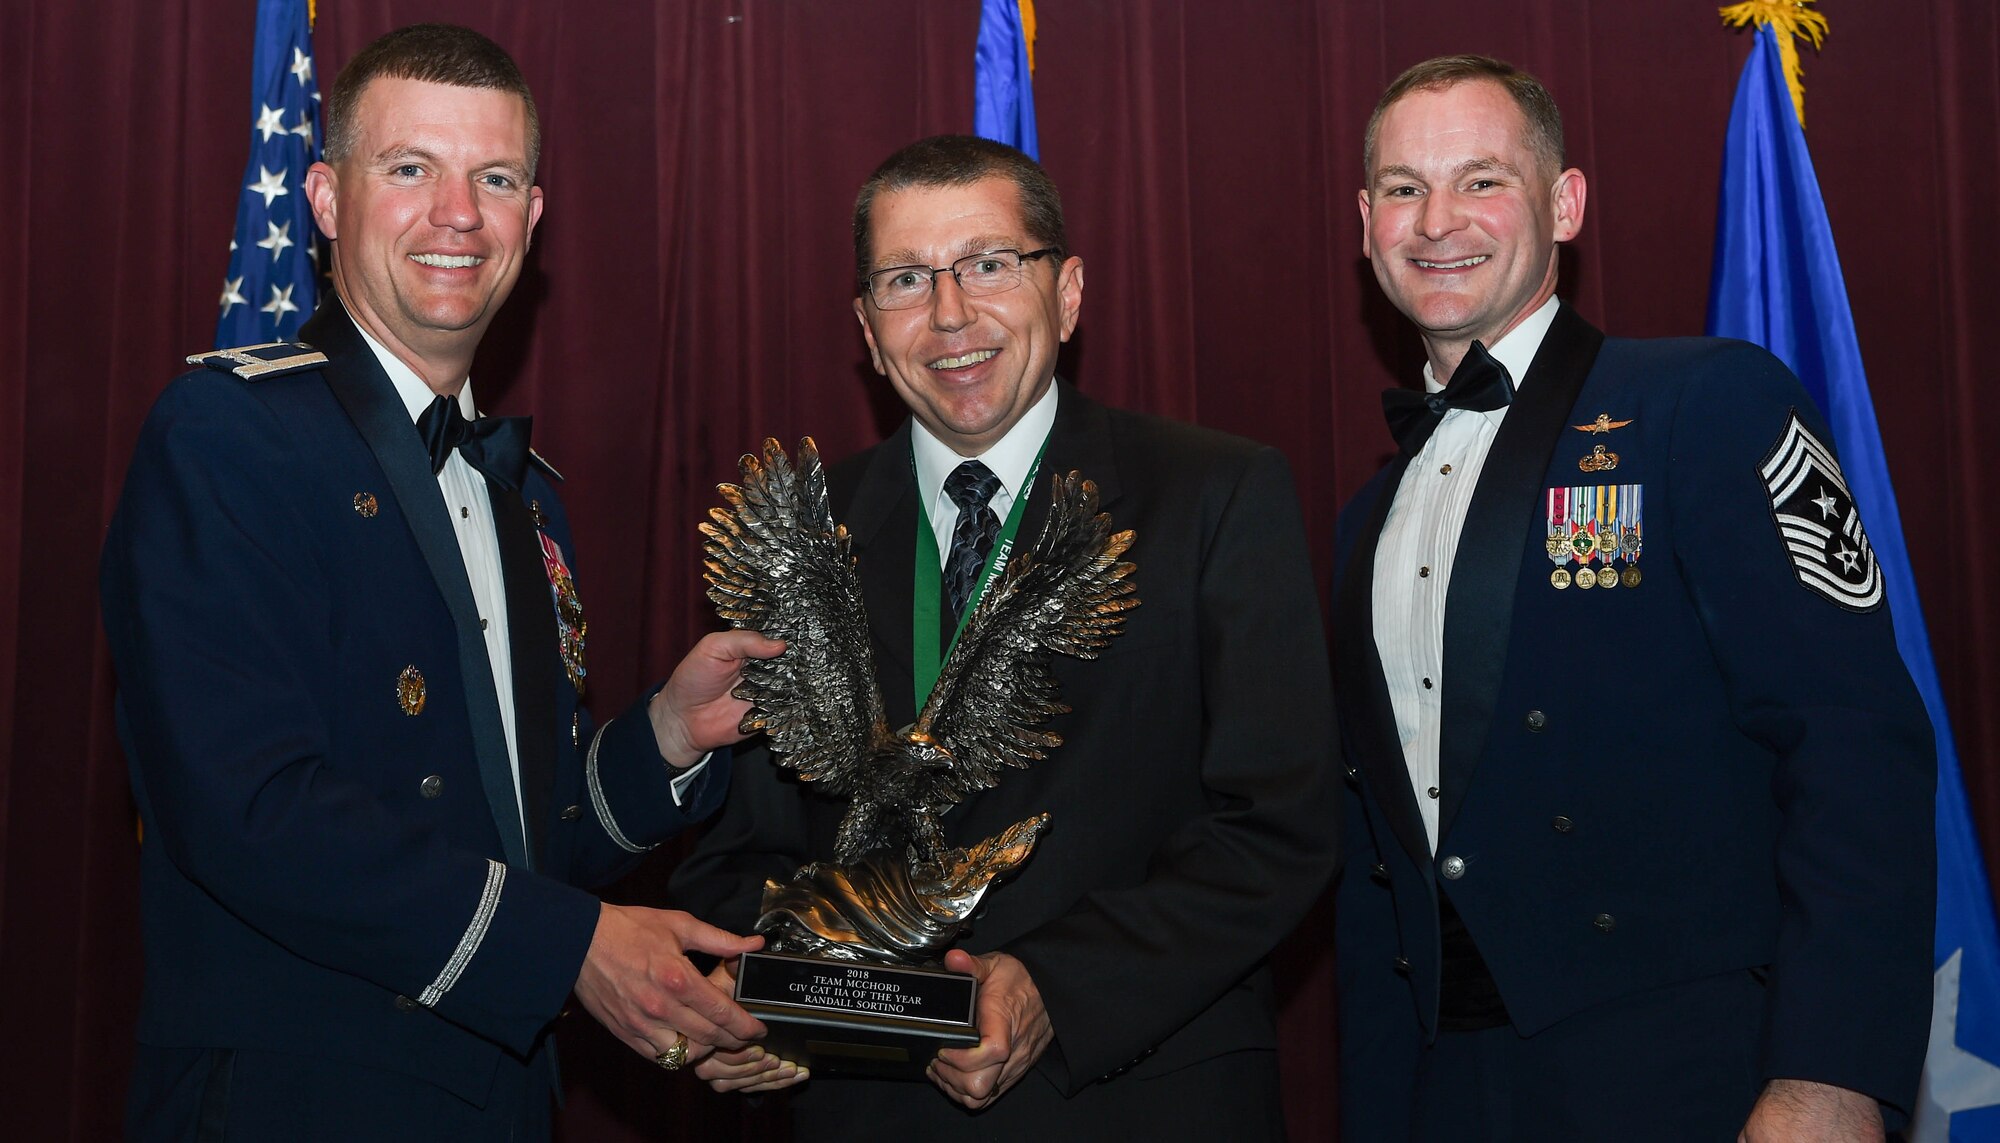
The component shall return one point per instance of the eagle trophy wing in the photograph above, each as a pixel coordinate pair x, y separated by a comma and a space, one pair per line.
777, 563
1068, 595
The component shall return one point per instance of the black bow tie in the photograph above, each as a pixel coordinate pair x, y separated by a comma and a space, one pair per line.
496, 446
1480, 384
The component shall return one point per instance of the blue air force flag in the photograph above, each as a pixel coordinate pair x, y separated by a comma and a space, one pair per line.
1003, 91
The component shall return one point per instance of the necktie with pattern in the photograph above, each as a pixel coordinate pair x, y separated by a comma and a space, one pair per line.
971, 485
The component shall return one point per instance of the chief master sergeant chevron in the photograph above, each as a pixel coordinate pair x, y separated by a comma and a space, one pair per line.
1645, 789
351, 654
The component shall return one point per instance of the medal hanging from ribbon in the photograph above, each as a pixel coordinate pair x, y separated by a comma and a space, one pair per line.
1582, 542
926, 659
570, 627
1607, 534
1629, 535
1557, 544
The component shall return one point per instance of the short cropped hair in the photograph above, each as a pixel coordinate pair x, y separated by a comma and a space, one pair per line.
432, 53
957, 161
1538, 107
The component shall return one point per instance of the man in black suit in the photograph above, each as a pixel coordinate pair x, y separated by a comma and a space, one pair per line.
350, 648
1645, 789
1122, 980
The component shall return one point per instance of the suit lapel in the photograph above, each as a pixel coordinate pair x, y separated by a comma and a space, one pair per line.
1079, 441
1479, 605
882, 518
370, 399
532, 645
1365, 708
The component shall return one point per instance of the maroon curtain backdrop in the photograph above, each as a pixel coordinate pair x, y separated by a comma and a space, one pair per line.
689, 295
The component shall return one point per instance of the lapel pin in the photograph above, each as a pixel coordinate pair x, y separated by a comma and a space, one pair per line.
1599, 460
1603, 424
364, 503
410, 691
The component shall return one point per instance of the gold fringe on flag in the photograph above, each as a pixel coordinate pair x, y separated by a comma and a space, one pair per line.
1792, 21
1028, 31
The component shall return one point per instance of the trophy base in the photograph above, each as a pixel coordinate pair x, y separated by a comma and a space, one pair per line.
840, 1017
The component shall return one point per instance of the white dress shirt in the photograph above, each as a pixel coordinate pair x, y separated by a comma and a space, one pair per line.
471, 511
1009, 458
1413, 562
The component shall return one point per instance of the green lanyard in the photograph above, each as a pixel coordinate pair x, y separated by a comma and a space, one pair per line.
925, 658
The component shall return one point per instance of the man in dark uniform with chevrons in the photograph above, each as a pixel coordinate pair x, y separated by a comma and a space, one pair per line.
1645, 791
350, 646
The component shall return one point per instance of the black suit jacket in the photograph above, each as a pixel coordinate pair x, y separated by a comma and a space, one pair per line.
335, 863
1192, 800
1716, 769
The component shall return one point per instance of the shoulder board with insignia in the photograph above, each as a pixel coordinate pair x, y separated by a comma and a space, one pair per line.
542, 461
255, 362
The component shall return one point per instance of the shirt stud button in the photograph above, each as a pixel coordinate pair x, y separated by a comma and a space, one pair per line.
1433, 791
1445, 470
1424, 572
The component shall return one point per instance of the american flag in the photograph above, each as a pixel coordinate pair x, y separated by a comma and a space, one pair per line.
274, 259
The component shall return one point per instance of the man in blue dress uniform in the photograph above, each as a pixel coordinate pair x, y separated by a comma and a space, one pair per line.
1643, 846
351, 654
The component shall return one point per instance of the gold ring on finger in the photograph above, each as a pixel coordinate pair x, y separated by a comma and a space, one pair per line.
676, 1057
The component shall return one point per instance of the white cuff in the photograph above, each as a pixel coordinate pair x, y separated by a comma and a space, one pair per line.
686, 778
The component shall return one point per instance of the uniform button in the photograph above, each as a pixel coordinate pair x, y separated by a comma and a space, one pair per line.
1444, 470
576, 729
1403, 965
1433, 792
432, 786
1452, 867
572, 813
1537, 720
1353, 776
405, 1004
1380, 873
1562, 824
1605, 922
1424, 572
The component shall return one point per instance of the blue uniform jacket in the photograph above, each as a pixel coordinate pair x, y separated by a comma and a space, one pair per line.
1721, 766
334, 859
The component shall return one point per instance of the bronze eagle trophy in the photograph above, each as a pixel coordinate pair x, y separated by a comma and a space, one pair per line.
895, 892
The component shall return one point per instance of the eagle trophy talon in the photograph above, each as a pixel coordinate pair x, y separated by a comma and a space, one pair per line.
776, 563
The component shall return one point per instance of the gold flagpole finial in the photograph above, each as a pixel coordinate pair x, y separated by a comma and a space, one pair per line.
1792, 21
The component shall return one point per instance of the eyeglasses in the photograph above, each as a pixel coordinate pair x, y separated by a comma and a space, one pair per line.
994, 272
